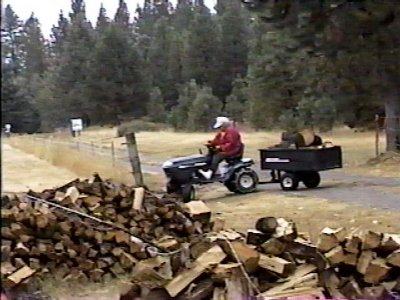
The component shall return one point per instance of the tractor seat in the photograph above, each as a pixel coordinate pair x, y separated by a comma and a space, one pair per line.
237, 158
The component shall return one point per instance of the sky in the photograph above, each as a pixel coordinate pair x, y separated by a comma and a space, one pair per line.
47, 11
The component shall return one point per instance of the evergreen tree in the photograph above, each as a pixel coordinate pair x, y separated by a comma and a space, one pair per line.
236, 106
156, 107
59, 34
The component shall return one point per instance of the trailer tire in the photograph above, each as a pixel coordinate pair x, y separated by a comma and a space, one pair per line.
289, 182
311, 179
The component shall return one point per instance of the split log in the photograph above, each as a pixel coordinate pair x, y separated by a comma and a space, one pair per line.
285, 231
267, 225
236, 285
375, 293
273, 246
390, 242
138, 199
377, 271
330, 238
256, 237
203, 290
350, 259
364, 261
304, 293
353, 244
276, 264
198, 211
371, 240
213, 256
335, 256
17, 277
394, 258
219, 224
219, 294
246, 255
224, 271
352, 290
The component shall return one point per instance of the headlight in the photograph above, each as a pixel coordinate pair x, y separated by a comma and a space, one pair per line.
167, 164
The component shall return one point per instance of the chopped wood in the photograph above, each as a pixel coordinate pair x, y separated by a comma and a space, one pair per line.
7, 268
267, 225
223, 271
364, 260
375, 292
352, 290
138, 198
350, 259
219, 294
377, 271
276, 264
236, 285
198, 211
390, 242
256, 237
304, 293
203, 290
371, 240
286, 230
330, 238
219, 224
353, 244
273, 246
247, 256
18, 276
72, 193
212, 257
335, 256
394, 258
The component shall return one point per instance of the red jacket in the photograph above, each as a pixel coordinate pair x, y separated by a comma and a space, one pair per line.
229, 141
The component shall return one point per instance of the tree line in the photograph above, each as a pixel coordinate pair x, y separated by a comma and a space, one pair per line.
288, 64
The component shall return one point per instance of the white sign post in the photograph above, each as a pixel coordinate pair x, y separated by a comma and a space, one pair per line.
77, 126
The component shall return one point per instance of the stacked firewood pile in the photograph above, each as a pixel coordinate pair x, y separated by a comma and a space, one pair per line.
171, 250
38, 238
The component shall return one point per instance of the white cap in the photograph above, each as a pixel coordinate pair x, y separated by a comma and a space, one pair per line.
220, 121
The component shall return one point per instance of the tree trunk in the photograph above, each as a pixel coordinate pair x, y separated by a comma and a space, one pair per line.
392, 110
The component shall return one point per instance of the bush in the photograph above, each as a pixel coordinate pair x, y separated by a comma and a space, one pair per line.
139, 125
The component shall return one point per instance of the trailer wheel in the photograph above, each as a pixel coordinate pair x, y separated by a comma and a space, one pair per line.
311, 179
289, 182
245, 181
188, 192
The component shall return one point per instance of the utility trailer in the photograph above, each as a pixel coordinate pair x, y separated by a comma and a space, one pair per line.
291, 166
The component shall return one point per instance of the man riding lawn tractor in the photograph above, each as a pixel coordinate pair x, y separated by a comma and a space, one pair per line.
236, 174
226, 144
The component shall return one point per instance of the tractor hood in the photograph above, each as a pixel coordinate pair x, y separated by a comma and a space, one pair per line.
193, 160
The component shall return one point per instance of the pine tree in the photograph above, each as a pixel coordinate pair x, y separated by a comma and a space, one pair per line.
155, 106
59, 34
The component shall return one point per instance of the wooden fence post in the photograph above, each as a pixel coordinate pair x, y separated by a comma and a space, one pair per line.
113, 153
377, 129
134, 159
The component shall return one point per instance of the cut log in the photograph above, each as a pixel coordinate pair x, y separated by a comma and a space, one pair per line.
273, 247
303, 293
276, 264
219, 294
203, 290
212, 257
302, 274
92, 201
7, 268
335, 256
350, 259
122, 238
286, 230
353, 244
236, 285
267, 225
371, 240
256, 237
138, 199
17, 277
219, 224
394, 258
127, 260
375, 293
352, 290
246, 255
302, 249
198, 211
376, 271
330, 238
224, 271
72, 193
390, 242
364, 260
21, 249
